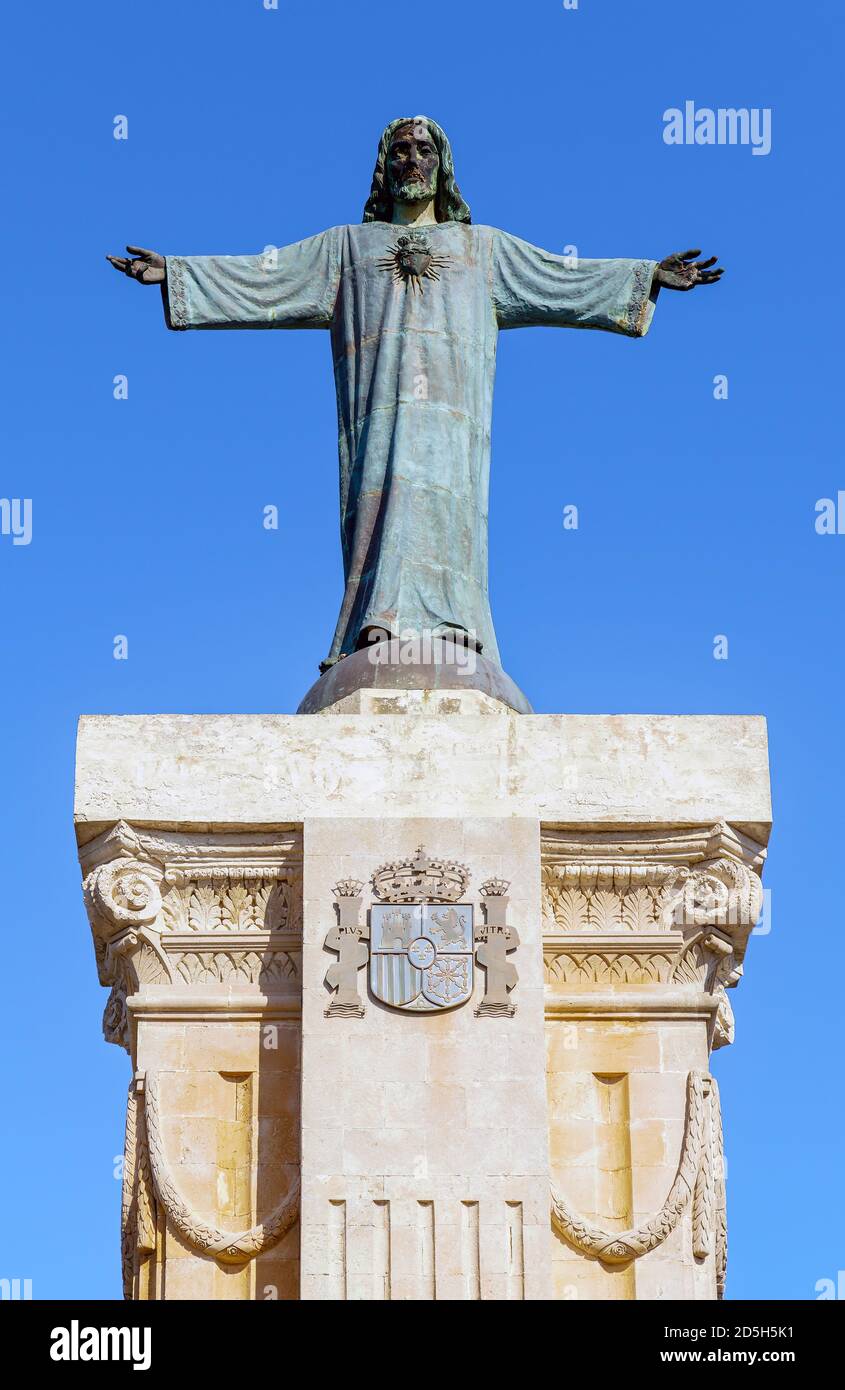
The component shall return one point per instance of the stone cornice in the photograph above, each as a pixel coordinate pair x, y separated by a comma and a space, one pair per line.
640, 1003
177, 851
175, 1007
649, 847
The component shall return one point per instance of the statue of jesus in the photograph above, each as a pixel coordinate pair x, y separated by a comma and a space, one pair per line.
414, 298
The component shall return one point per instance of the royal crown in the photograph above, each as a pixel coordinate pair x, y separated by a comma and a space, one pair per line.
348, 888
421, 879
494, 888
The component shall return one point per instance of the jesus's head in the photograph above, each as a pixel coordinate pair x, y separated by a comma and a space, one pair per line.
414, 164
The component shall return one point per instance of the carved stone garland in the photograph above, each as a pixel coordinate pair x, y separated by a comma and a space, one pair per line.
700, 1176
230, 1247
137, 1214
721, 1212
128, 1211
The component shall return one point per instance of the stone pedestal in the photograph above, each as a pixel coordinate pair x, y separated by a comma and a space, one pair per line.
531, 1116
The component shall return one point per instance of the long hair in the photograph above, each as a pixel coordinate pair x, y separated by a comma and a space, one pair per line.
449, 206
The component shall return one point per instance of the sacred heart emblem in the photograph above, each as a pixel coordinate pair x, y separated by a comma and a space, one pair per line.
413, 260
421, 955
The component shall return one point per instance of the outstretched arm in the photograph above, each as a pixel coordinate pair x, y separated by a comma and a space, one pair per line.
536, 287
283, 287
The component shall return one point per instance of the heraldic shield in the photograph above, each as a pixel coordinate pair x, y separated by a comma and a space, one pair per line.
421, 955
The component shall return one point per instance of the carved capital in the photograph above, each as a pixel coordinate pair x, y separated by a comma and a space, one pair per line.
669, 909
125, 893
723, 893
123, 899
192, 913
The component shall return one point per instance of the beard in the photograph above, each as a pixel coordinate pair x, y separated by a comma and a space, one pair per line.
414, 189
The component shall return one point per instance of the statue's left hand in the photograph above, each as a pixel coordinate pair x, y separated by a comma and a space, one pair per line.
682, 271
147, 267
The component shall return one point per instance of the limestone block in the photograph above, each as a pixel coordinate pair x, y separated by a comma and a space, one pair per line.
227, 770
443, 1135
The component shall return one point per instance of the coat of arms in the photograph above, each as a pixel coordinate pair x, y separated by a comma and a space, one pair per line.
421, 954
422, 937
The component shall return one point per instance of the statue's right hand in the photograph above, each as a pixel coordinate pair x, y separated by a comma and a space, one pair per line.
145, 266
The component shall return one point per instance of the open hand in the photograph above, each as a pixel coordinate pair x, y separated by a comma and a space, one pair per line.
145, 266
682, 271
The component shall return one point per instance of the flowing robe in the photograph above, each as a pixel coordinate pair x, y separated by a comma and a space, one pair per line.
414, 377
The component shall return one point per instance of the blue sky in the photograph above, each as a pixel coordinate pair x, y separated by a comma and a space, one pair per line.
249, 127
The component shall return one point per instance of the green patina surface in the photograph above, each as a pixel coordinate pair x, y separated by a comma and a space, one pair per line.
413, 329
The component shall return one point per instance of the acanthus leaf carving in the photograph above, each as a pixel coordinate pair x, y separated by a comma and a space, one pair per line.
593, 906
116, 1017
174, 910
566, 908
205, 912
638, 910
237, 909
588, 967
245, 967
259, 905
605, 915
277, 904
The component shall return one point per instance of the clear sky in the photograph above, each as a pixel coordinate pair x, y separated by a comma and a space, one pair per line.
248, 127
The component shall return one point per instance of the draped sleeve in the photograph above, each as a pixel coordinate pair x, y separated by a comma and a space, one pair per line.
282, 287
533, 287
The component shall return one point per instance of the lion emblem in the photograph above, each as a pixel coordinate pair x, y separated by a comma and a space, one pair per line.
449, 925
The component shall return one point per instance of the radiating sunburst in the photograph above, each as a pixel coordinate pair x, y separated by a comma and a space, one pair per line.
413, 260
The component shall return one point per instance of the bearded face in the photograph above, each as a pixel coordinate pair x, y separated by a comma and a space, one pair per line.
412, 164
